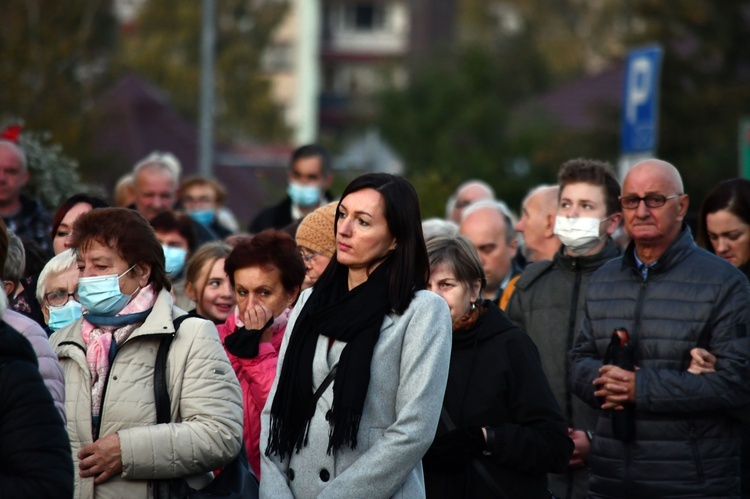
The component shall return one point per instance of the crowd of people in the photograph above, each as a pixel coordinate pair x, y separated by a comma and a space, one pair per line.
345, 347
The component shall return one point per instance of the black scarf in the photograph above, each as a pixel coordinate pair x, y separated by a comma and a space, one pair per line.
354, 317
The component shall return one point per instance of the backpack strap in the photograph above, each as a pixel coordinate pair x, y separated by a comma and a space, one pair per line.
161, 394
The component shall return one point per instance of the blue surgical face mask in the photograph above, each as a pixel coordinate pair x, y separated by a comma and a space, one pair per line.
174, 260
205, 217
303, 195
59, 317
101, 295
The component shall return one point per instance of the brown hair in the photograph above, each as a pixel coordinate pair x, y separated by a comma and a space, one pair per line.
269, 248
195, 180
594, 172
126, 232
205, 258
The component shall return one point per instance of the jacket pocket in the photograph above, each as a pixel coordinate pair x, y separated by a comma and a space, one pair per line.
696, 453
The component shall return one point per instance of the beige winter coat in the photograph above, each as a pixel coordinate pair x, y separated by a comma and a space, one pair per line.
204, 393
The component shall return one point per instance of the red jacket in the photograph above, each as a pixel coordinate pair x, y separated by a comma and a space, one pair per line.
256, 376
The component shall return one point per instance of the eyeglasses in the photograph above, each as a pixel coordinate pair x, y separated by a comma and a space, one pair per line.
59, 298
651, 200
308, 257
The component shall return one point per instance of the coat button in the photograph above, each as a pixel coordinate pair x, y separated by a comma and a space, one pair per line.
324, 475
290, 473
329, 415
114, 377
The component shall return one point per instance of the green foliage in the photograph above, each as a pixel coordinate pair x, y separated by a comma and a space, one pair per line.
53, 176
53, 61
705, 85
452, 122
166, 49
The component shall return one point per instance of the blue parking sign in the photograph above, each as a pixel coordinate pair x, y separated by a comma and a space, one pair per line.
640, 107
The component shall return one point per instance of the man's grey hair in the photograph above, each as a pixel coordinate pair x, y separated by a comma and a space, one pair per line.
65, 260
501, 208
437, 227
15, 263
160, 161
13, 147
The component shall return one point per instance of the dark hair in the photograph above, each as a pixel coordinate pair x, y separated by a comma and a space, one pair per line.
197, 180
69, 203
592, 171
170, 221
411, 268
126, 232
269, 248
312, 151
732, 195
460, 255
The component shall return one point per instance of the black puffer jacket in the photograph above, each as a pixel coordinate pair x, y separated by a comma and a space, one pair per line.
686, 444
496, 380
35, 459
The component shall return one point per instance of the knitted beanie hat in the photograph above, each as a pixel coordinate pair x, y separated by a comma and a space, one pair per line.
315, 231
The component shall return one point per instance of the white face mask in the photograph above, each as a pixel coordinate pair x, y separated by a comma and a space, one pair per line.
578, 235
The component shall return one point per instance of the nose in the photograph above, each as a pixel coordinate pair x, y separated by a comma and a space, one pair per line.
66, 241
641, 211
344, 227
521, 224
721, 246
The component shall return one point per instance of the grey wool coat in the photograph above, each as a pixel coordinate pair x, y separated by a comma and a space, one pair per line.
409, 370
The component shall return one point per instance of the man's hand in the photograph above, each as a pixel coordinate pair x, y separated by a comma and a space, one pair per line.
102, 459
701, 361
616, 386
581, 450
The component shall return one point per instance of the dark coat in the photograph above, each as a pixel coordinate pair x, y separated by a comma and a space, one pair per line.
35, 458
686, 444
548, 304
496, 380
277, 216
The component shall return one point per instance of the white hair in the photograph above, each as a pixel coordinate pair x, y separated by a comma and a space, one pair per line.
163, 161
437, 227
13, 147
65, 260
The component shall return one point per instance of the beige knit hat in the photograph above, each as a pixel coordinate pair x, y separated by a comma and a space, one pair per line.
315, 231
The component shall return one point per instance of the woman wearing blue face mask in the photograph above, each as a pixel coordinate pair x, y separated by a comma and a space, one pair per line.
109, 357
177, 236
57, 290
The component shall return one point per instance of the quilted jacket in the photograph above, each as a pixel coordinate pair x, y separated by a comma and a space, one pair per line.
205, 399
686, 444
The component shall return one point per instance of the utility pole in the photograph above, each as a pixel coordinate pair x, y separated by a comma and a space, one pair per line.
206, 134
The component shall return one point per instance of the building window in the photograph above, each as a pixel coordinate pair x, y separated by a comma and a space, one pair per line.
364, 16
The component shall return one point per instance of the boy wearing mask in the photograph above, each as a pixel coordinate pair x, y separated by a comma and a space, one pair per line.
549, 296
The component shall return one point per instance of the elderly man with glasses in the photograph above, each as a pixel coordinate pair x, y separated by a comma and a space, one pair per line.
663, 431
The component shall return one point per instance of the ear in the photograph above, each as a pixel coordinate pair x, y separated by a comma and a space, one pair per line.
25, 177
475, 288
327, 181
9, 288
45, 313
549, 225
143, 271
613, 223
190, 291
682, 206
514, 245
292, 297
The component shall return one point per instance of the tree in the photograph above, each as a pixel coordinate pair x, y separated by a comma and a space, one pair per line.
53, 176
452, 121
53, 61
705, 84
165, 47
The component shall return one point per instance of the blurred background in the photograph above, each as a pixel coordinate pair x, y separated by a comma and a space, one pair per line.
437, 90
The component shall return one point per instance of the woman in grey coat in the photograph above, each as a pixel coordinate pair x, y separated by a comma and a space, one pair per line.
368, 321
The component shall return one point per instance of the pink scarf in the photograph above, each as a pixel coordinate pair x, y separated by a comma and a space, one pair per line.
98, 342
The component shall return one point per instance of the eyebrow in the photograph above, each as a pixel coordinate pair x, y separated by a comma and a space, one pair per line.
358, 212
